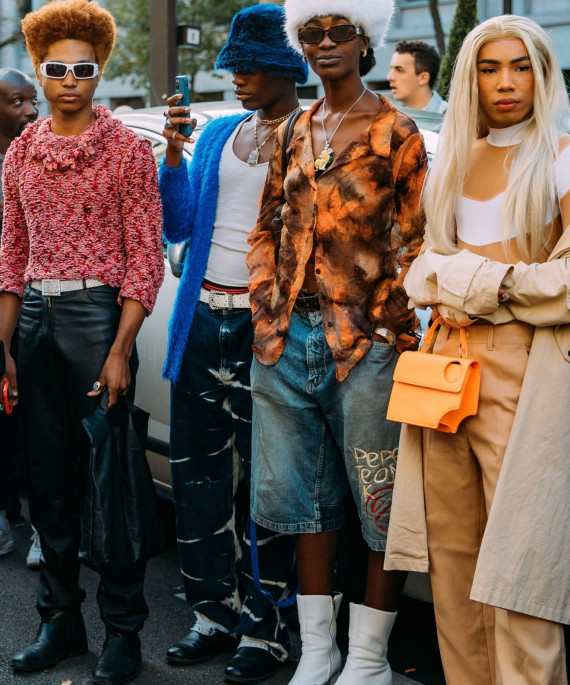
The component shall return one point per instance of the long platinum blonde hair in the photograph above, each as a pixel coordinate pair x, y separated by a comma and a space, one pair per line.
530, 187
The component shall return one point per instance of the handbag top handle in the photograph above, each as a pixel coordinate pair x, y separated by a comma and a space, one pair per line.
429, 340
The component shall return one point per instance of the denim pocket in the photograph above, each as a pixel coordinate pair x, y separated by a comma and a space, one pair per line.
381, 352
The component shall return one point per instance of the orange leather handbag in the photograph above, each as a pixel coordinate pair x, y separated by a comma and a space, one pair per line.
434, 390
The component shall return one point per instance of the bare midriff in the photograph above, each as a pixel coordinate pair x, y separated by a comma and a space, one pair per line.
310, 280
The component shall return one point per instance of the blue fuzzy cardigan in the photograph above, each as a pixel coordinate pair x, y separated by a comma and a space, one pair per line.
189, 200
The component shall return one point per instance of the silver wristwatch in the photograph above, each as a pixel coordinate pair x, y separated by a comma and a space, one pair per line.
386, 333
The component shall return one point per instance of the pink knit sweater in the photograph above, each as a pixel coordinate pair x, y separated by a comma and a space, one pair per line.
82, 206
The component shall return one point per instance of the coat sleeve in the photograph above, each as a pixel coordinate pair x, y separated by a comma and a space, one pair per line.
464, 281
540, 293
467, 284
407, 533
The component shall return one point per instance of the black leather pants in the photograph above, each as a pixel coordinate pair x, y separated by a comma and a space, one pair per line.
64, 342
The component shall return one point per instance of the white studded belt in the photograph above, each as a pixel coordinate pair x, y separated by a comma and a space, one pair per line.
54, 287
218, 299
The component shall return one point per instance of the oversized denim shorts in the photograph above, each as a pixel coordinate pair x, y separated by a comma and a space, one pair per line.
314, 437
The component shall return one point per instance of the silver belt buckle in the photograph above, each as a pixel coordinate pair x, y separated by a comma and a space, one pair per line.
51, 287
213, 293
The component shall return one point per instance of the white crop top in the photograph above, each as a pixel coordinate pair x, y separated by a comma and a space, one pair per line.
478, 221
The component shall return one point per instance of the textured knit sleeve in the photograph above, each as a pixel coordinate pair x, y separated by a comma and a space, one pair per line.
15, 243
178, 205
142, 225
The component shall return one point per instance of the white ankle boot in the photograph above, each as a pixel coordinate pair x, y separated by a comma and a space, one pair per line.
320, 659
368, 634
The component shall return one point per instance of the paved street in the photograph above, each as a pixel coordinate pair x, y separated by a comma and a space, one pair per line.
412, 649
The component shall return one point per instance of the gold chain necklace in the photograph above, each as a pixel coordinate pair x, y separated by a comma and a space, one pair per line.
253, 158
270, 122
325, 158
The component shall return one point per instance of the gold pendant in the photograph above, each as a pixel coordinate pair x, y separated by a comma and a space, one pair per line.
324, 160
253, 158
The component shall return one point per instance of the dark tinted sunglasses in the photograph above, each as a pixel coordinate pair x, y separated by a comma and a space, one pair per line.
60, 70
341, 33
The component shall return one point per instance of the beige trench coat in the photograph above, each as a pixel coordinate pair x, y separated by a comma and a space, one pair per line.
524, 560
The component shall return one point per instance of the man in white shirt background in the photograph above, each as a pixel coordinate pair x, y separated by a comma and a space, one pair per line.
413, 71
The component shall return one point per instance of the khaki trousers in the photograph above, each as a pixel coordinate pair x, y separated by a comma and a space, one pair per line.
481, 644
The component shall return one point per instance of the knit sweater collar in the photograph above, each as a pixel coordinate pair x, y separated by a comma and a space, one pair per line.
59, 153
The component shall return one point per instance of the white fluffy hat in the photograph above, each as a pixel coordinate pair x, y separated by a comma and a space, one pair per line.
372, 15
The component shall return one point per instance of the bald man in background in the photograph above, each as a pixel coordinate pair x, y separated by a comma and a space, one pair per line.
18, 107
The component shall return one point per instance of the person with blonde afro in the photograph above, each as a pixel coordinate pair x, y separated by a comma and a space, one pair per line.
80, 266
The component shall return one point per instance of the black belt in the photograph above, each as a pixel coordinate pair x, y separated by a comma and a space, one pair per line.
307, 302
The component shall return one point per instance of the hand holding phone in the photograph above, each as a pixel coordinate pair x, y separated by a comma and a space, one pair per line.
183, 87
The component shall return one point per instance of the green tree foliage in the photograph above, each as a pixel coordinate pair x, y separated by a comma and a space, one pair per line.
464, 20
131, 55
130, 59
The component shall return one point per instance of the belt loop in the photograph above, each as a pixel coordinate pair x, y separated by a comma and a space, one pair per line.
490, 337
84, 284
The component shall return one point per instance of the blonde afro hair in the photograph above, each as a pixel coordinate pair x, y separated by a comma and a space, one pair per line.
69, 19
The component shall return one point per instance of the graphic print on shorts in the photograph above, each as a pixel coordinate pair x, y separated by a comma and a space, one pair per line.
376, 474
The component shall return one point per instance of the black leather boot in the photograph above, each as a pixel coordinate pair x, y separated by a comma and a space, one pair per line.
120, 661
251, 665
60, 636
195, 648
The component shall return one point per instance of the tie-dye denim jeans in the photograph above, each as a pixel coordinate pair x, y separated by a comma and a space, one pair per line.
210, 453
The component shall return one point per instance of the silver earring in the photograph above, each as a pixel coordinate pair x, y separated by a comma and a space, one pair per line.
304, 58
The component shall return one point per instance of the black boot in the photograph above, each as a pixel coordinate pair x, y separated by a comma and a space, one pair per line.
251, 665
120, 661
195, 648
60, 636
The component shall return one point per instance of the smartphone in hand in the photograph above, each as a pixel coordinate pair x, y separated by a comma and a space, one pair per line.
182, 86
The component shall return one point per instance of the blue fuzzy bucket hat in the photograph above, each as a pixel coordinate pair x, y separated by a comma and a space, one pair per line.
257, 43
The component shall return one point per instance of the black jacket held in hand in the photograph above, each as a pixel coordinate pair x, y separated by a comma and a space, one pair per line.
121, 522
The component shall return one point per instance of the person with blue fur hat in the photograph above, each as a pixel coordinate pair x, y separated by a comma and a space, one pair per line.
212, 203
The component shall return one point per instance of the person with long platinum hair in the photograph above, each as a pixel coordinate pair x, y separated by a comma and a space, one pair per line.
487, 508
531, 184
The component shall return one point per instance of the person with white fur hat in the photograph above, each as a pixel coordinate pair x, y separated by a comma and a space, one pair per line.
330, 316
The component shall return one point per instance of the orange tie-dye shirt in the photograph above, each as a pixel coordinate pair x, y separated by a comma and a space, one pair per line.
364, 219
